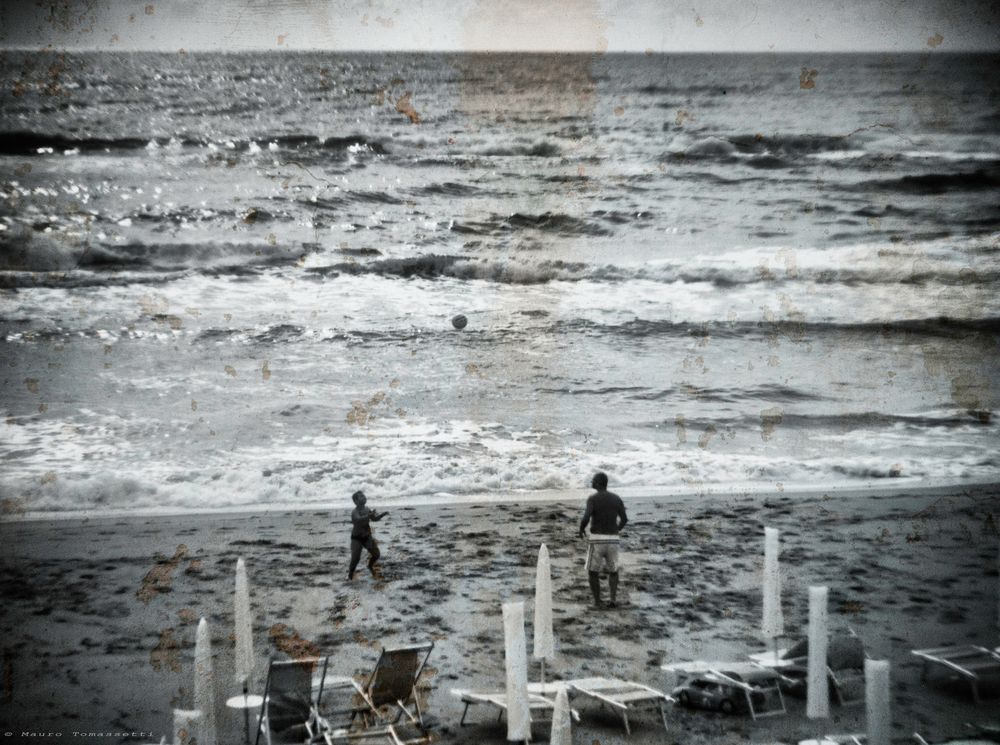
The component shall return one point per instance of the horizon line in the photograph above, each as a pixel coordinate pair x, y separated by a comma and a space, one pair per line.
595, 52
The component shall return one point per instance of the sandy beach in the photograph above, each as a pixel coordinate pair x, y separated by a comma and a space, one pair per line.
100, 615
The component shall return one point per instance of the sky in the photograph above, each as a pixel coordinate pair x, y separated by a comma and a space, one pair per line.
503, 25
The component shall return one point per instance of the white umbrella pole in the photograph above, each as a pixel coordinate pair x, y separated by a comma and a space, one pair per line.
204, 684
544, 636
877, 696
516, 660
246, 713
818, 692
243, 631
773, 622
562, 724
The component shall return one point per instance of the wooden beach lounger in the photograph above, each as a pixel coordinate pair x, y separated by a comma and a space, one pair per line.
774, 659
984, 737
758, 684
969, 661
622, 695
760, 688
537, 701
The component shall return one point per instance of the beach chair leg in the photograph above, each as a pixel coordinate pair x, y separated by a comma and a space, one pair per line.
975, 691
266, 723
837, 693
465, 711
316, 726
403, 710
416, 705
663, 716
628, 730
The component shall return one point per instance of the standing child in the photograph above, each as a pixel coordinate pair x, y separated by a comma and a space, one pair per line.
361, 533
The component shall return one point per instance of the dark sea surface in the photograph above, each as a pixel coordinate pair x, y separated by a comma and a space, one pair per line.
228, 279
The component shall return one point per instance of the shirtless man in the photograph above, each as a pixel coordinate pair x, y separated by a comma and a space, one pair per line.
606, 514
361, 533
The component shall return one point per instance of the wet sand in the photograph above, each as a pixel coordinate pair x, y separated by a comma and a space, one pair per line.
100, 615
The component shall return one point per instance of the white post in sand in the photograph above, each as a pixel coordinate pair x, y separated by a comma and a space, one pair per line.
877, 697
818, 692
243, 628
186, 723
545, 647
516, 659
562, 724
204, 685
773, 622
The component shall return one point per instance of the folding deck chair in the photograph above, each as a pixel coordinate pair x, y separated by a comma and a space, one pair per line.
621, 695
393, 685
289, 712
845, 667
969, 661
337, 718
847, 684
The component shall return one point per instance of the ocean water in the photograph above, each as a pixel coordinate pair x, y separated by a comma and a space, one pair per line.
227, 280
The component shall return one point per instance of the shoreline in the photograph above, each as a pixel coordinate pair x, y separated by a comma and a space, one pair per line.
679, 494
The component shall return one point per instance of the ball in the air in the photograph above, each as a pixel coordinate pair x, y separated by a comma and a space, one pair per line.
459, 322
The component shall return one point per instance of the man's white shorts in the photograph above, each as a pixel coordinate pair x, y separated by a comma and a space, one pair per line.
602, 554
